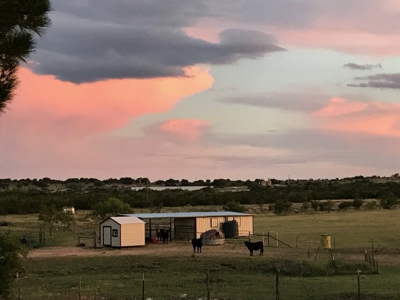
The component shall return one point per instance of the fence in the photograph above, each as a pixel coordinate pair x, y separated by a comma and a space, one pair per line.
143, 286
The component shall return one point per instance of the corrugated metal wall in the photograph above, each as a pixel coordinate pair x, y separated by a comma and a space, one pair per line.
184, 228
207, 223
245, 224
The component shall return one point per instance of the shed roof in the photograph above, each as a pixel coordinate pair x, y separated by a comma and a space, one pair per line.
126, 220
187, 214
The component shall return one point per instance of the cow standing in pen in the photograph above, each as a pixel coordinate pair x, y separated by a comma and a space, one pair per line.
254, 247
163, 235
197, 244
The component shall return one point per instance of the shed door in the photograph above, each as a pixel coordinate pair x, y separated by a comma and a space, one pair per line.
107, 236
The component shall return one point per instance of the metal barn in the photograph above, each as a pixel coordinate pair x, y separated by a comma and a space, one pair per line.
188, 225
122, 232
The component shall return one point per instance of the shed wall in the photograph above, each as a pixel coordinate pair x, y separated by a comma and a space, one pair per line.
132, 234
245, 224
115, 241
207, 223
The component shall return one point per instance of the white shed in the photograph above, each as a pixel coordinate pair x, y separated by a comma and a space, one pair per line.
122, 232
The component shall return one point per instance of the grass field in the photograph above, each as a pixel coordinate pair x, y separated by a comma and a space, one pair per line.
173, 272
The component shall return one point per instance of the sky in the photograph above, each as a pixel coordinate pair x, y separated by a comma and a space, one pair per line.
202, 89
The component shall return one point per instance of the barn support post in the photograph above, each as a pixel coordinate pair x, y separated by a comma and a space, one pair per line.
170, 229
150, 228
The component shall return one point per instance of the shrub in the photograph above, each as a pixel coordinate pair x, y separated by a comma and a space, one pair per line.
345, 205
371, 205
282, 206
233, 206
357, 203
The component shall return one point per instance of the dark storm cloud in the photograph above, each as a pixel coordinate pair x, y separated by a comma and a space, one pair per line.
382, 81
94, 40
354, 66
298, 102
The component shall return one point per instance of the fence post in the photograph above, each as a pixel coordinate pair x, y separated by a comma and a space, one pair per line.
249, 237
277, 284
80, 287
143, 286
208, 285
358, 282
277, 240
268, 239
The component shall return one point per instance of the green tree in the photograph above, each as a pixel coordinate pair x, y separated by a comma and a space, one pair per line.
11, 252
112, 206
19, 21
66, 218
49, 215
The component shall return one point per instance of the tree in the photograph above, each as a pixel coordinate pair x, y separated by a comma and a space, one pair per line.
49, 215
10, 262
111, 207
19, 21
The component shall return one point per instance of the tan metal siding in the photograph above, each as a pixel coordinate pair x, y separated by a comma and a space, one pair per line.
245, 225
207, 223
132, 234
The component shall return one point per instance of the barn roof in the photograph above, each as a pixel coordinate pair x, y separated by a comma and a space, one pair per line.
126, 220
187, 214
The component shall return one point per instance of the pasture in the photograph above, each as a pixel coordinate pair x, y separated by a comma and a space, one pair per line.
172, 271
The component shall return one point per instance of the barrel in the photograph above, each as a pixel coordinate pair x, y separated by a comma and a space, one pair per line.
326, 241
230, 229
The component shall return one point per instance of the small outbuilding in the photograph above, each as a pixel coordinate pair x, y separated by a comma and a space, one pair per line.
122, 232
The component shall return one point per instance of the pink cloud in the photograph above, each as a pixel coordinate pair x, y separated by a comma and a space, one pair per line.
56, 126
185, 128
374, 118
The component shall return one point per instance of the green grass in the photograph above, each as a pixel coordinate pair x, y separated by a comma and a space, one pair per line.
120, 277
350, 230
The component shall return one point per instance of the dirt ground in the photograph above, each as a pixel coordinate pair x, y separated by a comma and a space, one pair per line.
185, 248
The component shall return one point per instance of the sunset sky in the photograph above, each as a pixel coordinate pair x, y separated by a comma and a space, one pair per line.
238, 89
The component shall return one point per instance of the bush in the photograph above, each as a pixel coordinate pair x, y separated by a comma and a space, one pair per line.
371, 205
357, 203
345, 205
233, 206
389, 201
282, 206
326, 205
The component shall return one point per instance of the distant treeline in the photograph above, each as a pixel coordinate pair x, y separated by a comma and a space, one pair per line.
30, 200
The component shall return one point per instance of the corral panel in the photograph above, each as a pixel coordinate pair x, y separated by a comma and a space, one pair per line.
184, 228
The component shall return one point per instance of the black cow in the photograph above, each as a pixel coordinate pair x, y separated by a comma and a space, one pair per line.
254, 247
163, 234
197, 244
